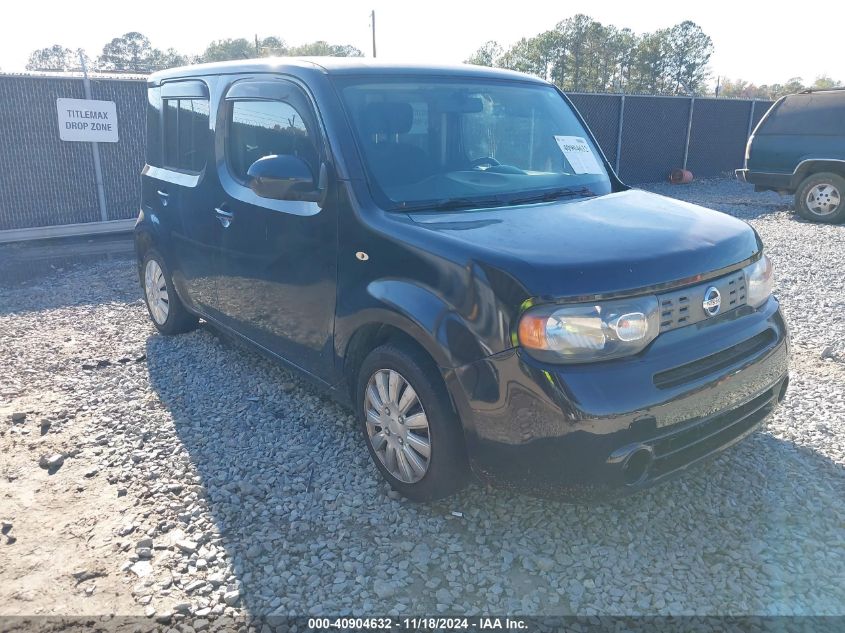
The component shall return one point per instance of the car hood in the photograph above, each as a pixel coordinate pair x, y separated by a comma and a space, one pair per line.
607, 245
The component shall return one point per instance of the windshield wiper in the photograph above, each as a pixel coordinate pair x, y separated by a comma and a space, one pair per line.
553, 194
452, 203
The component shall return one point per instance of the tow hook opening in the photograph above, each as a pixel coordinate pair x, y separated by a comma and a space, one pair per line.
783, 387
637, 464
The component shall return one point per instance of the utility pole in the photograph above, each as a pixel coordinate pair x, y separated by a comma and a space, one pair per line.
257, 49
373, 22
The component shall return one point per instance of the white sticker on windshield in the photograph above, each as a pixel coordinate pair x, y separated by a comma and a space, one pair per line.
579, 154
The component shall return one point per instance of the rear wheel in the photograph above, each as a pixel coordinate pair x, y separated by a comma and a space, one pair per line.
821, 198
412, 432
167, 311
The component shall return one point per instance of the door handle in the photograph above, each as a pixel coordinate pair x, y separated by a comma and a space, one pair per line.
224, 216
164, 196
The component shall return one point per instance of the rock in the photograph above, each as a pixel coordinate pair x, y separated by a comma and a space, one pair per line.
828, 352
421, 554
383, 588
5, 527
18, 416
231, 597
87, 574
193, 586
443, 596
164, 618
126, 529
51, 462
544, 563
182, 607
142, 568
144, 553
150, 611
186, 546
144, 543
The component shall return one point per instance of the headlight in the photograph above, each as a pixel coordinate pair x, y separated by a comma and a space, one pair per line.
759, 279
589, 332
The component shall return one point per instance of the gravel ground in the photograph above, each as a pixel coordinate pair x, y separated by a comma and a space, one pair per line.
190, 476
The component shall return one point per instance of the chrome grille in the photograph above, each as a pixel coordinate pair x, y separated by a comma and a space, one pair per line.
680, 308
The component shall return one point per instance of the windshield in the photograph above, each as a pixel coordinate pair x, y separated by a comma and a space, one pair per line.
452, 143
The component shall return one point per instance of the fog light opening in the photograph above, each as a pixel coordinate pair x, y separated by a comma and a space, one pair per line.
636, 466
782, 392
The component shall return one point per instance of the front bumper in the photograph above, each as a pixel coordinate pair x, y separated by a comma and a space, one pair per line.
587, 431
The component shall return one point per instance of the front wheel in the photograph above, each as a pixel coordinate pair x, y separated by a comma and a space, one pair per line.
819, 198
412, 432
166, 310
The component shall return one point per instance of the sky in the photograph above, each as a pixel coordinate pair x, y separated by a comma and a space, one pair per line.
760, 42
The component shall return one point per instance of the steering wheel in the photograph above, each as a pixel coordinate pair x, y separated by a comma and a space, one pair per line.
487, 160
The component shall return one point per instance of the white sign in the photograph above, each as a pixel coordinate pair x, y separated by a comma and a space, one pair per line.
87, 120
579, 154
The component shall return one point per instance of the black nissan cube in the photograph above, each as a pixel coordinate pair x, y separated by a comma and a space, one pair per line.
447, 251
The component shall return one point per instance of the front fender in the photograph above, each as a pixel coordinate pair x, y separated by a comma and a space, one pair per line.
451, 337
419, 312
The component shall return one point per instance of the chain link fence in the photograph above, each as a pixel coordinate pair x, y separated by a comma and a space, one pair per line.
45, 182
645, 137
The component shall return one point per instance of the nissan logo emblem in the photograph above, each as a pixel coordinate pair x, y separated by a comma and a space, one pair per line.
712, 301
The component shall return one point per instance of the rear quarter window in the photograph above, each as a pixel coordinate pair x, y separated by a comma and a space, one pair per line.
814, 114
186, 134
153, 153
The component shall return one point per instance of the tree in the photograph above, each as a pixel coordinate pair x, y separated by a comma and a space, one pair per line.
271, 46
582, 54
823, 82
487, 55
55, 57
648, 64
169, 59
689, 50
225, 50
131, 52
222, 50
321, 48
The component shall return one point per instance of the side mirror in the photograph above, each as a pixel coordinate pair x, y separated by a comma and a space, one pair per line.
282, 177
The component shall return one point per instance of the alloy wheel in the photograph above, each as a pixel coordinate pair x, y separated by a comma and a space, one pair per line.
397, 426
823, 199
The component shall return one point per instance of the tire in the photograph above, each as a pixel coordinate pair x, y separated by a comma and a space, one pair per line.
166, 310
447, 467
821, 198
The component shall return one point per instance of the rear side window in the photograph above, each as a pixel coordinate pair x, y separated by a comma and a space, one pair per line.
815, 114
185, 134
266, 128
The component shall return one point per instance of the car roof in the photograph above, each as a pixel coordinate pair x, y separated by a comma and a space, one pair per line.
815, 91
337, 66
